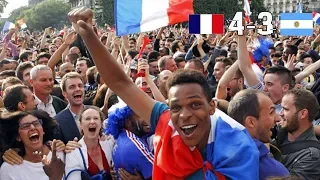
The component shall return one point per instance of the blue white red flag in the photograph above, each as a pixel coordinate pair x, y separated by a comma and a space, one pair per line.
231, 152
133, 16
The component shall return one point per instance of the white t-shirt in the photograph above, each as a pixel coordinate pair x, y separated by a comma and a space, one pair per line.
25, 171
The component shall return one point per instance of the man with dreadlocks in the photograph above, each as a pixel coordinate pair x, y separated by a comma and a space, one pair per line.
131, 152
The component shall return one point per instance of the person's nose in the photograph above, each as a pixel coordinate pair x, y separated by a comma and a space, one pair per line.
185, 113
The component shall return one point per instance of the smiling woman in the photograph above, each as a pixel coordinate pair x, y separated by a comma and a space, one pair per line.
28, 132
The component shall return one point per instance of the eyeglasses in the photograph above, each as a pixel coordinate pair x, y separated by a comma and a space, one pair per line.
27, 126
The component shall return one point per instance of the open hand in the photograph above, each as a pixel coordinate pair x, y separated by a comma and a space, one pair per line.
71, 37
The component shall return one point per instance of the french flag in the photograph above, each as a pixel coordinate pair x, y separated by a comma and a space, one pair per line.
206, 24
247, 10
133, 16
231, 152
316, 17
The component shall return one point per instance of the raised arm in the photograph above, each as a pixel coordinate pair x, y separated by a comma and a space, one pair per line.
221, 92
245, 64
110, 70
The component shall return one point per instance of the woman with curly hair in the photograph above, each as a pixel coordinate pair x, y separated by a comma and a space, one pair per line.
131, 153
93, 158
29, 133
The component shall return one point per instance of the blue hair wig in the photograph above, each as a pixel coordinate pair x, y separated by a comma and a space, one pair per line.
262, 49
117, 120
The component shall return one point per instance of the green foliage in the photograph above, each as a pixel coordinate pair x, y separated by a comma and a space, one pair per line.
18, 13
3, 4
48, 13
226, 7
256, 8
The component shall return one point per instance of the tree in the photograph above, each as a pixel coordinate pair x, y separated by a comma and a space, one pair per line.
256, 8
3, 4
48, 13
18, 13
228, 8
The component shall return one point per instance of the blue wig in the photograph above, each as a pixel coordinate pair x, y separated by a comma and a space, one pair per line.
262, 49
117, 120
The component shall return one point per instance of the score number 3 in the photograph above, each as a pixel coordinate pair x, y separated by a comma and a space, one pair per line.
236, 24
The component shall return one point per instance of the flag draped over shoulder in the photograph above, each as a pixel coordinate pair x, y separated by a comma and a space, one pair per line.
133, 16
231, 152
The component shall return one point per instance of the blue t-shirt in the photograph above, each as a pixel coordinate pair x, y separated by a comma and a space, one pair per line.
130, 152
157, 110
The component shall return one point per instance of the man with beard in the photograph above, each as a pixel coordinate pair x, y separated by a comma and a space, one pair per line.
41, 80
72, 87
255, 110
296, 140
131, 153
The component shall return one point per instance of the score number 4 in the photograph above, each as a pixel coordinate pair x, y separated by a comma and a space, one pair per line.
236, 24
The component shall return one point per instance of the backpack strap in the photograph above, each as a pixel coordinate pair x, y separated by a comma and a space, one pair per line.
81, 170
84, 162
295, 146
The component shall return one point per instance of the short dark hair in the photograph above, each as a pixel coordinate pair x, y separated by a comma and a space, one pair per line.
304, 99
22, 67
226, 61
25, 55
4, 61
8, 73
245, 103
276, 55
132, 39
179, 59
73, 57
198, 64
133, 53
12, 96
293, 49
169, 39
187, 76
167, 51
43, 54
283, 73
305, 55
88, 61
174, 46
153, 55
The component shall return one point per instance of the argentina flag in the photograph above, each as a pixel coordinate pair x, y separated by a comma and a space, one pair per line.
296, 24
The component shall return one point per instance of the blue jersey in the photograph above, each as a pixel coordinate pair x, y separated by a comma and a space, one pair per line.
130, 152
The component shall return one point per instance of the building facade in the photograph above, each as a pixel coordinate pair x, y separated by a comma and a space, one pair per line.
285, 6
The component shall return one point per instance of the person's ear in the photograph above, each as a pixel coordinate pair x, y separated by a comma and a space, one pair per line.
64, 94
21, 106
250, 122
212, 107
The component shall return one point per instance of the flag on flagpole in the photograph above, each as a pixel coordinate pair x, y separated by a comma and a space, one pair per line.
299, 8
133, 16
316, 17
21, 24
247, 11
7, 26
206, 24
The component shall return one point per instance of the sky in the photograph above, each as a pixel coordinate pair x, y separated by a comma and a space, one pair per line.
13, 4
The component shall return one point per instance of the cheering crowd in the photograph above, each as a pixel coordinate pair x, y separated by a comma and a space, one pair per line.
83, 103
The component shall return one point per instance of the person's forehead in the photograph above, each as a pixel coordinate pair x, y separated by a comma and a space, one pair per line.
72, 81
27, 71
28, 118
271, 77
185, 90
44, 74
265, 101
287, 99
